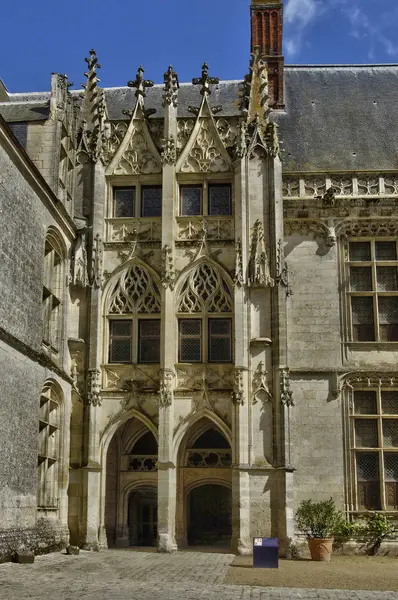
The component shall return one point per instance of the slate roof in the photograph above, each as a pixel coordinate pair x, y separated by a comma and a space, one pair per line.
226, 94
14, 112
340, 118
337, 118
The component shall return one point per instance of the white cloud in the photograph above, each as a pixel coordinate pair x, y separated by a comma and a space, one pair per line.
301, 14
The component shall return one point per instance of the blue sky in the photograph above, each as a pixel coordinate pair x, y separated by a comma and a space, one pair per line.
38, 38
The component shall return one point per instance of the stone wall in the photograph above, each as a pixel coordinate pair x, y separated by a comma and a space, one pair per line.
24, 367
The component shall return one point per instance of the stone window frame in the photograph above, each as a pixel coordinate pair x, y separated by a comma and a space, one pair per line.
135, 337
138, 183
374, 293
205, 319
377, 386
204, 182
53, 291
50, 457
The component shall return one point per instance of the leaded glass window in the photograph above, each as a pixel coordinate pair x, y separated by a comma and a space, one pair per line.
220, 340
120, 341
151, 201
191, 200
375, 440
373, 290
190, 340
213, 199
124, 202
149, 341
52, 291
48, 462
219, 200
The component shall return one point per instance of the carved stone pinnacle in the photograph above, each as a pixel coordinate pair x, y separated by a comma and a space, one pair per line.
140, 84
205, 81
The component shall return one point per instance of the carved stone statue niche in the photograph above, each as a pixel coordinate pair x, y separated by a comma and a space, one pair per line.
259, 269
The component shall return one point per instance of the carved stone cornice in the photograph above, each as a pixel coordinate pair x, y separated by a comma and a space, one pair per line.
329, 205
331, 229
360, 379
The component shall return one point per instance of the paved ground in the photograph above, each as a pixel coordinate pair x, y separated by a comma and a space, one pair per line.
128, 575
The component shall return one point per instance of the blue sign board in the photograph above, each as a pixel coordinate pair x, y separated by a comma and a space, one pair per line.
265, 553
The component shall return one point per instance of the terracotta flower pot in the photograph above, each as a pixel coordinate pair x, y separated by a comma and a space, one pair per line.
320, 549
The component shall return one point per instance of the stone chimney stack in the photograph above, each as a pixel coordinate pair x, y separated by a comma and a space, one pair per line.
266, 35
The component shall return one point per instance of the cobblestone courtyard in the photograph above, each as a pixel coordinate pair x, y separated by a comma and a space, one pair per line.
128, 575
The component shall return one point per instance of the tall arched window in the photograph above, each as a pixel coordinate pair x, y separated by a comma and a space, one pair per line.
132, 309
205, 316
49, 444
53, 290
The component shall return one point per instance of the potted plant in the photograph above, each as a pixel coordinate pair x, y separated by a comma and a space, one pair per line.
318, 521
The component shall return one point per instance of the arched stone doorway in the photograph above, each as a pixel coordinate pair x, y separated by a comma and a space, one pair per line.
204, 513
131, 486
209, 512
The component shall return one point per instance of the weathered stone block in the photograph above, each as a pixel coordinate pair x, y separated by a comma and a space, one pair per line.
24, 557
73, 550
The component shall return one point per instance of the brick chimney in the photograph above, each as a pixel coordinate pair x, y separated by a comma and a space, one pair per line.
266, 34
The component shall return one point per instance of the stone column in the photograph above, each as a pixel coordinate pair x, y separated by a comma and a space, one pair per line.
167, 476
281, 386
92, 467
240, 427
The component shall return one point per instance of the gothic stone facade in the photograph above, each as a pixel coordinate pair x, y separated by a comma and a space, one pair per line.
199, 311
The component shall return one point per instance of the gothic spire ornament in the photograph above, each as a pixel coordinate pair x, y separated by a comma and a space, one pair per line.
140, 84
205, 81
92, 134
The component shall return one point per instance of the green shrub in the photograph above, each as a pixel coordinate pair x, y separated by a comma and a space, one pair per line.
318, 519
378, 526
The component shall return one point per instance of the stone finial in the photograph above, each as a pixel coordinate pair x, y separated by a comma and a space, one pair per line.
171, 86
205, 81
95, 109
140, 84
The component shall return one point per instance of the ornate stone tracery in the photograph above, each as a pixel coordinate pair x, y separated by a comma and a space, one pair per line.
205, 290
135, 292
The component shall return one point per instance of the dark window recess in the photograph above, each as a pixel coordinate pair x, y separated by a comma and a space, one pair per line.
120, 341
151, 201
124, 202
220, 340
362, 318
220, 200
149, 341
147, 444
368, 481
191, 200
190, 340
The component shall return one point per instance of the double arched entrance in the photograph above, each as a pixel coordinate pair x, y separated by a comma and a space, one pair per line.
203, 492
